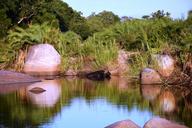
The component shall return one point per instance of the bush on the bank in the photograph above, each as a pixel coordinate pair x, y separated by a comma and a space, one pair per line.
148, 36
68, 44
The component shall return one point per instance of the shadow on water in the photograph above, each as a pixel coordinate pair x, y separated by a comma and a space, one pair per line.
60, 102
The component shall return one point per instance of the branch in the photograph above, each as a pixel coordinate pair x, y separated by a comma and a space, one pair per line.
26, 17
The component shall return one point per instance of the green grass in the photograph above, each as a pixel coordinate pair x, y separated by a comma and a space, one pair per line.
68, 44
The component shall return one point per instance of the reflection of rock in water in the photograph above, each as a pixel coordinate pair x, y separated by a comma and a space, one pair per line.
150, 92
167, 101
46, 98
121, 83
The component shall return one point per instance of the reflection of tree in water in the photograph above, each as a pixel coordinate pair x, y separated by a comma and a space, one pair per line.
127, 96
169, 103
18, 110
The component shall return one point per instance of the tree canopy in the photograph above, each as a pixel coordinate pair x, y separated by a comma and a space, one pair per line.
56, 12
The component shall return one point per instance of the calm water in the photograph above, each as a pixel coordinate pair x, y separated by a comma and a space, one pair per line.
71, 103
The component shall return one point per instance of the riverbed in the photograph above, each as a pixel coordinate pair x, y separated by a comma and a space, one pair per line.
74, 102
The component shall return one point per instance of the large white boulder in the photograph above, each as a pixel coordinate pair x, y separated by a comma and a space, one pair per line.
42, 59
165, 64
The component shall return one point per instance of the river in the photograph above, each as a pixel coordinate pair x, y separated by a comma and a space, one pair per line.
73, 102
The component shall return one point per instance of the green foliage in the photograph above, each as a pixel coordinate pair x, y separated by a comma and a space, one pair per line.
105, 19
4, 23
102, 51
44, 33
95, 24
80, 27
108, 18
160, 14
21, 13
68, 44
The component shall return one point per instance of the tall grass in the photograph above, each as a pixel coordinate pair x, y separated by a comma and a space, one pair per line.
68, 44
152, 36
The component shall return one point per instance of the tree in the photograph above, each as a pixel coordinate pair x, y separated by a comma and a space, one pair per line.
146, 17
56, 12
189, 18
5, 23
108, 18
97, 22
160, 14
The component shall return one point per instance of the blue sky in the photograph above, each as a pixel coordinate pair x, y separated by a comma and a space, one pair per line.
133, 8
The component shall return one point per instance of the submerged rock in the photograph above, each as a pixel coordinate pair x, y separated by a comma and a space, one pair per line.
10, 77
165, 64
162, 123
42, 59
37, 90
123, 124
99, 75
150, 76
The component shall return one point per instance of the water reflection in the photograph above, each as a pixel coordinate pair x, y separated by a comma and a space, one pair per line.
121, 83
167, 101
10, 88
163, 99
150, 92
44, 94
60, 103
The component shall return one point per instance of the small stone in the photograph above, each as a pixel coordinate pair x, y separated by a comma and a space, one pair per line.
150, 76
37, 90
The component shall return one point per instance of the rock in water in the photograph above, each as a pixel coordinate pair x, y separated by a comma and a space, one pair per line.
162, 123
99, 75
123, 124
150, 76
37, 90
10, 77
42, 59
165, 64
